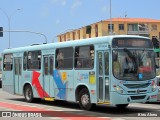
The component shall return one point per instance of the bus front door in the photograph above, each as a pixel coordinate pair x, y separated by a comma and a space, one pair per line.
48, 75
17, 75
103, 77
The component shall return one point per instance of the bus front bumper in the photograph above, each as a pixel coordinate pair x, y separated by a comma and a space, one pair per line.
117, 98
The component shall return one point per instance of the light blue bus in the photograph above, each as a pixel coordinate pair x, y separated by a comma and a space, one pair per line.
115, 70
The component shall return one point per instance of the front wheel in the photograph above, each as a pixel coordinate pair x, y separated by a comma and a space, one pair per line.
84, 99
121, 106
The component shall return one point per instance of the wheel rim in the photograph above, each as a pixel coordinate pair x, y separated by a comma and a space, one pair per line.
28, 94
85, 100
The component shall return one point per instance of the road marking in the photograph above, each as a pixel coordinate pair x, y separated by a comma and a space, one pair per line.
118, 119
53, 109
143, 106
59, 114
56, 118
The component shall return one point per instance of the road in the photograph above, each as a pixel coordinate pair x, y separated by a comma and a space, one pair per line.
61, 110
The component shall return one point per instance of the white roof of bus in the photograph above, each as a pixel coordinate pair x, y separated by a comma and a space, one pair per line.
87, 41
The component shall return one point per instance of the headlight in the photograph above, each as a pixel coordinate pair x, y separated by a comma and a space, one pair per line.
154, 86
119, 89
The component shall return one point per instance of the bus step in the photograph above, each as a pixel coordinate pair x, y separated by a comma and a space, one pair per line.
49, 99
107, 102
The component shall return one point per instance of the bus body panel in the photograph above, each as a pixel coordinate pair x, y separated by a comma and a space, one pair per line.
28, 78
63, 84
86, 78
8, 82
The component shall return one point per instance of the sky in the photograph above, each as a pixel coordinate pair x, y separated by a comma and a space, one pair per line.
53, 17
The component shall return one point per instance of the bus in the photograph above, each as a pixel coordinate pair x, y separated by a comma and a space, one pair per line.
113, 70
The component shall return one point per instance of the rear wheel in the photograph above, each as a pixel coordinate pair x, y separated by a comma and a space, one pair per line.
28, 94
121, 106
84, 99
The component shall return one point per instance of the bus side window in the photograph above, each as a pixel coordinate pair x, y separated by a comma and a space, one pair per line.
64, 58
84, 57
7, 63
34, 60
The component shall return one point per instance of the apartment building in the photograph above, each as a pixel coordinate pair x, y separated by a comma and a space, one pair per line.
128, 26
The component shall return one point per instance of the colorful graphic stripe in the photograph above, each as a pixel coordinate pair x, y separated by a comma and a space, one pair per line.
60, 85
35, 82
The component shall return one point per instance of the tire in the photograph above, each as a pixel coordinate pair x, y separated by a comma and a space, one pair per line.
28, 94
122, 106
84, 99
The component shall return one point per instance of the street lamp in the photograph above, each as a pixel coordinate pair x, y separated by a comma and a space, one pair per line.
28, 31
9, 20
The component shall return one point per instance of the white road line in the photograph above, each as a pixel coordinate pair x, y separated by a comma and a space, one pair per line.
6, 109
53, 109
118, 119
143, 106
56, 118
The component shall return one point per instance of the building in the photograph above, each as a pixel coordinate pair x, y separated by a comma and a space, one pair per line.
129, 26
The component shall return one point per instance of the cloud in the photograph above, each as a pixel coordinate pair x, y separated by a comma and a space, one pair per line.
62, 2
57, 22
54, 1
45, 12
105, 9
76, 4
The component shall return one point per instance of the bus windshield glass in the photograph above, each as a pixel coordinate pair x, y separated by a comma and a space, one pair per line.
133, 64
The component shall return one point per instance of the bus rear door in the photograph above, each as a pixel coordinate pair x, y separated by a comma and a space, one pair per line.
17, 74
103, 77
48, 75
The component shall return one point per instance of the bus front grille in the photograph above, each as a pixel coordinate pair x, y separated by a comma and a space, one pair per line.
135, 91
138, 97
144, 85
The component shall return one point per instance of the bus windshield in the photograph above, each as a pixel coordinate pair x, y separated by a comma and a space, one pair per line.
133, 64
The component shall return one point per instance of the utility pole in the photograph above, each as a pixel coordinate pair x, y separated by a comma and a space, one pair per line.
111, 31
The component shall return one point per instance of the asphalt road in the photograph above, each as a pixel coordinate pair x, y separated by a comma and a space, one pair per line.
67, 110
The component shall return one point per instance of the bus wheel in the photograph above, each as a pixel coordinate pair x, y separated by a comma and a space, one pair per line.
28, 94
122, 106
84, 99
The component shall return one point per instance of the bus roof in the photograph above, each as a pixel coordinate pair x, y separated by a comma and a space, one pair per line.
88, 41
